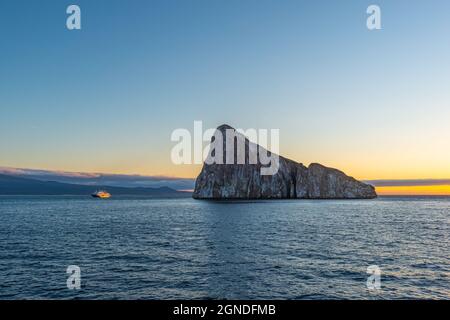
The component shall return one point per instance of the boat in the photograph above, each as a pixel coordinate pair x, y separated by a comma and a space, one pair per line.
101, 194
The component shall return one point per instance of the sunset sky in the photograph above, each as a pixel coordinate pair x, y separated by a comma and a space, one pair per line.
375, 104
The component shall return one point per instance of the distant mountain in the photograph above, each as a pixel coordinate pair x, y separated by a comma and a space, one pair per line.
101, 179
11, 185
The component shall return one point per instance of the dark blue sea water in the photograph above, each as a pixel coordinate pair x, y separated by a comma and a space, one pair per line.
187, 249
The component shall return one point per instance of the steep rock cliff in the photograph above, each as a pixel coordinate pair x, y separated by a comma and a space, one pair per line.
292, 181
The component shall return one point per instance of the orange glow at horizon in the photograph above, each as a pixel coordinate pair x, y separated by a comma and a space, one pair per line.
443, 190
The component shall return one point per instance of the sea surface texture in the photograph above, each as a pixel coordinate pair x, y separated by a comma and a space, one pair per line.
188, 249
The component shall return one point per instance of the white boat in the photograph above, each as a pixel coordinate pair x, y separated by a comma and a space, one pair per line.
101, 194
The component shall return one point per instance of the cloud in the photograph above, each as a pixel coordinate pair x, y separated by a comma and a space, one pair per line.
408, 182
34, 172
114, 180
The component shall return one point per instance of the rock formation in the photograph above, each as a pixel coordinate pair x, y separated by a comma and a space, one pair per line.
292, 181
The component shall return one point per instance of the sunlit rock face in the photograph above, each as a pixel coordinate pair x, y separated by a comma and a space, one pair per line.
292, 180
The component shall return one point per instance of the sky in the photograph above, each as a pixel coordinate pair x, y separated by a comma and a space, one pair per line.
106, 98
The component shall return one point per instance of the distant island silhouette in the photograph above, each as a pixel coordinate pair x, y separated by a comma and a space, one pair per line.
11, 185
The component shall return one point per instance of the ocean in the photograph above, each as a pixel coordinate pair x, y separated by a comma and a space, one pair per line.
131, 248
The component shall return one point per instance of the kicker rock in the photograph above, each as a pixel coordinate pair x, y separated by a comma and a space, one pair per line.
292, 181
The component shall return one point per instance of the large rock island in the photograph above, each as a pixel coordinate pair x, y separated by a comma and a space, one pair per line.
292, 180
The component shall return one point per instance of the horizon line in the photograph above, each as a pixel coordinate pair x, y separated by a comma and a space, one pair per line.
410, 182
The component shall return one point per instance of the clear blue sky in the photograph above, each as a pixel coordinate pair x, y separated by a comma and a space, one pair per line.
106, 98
